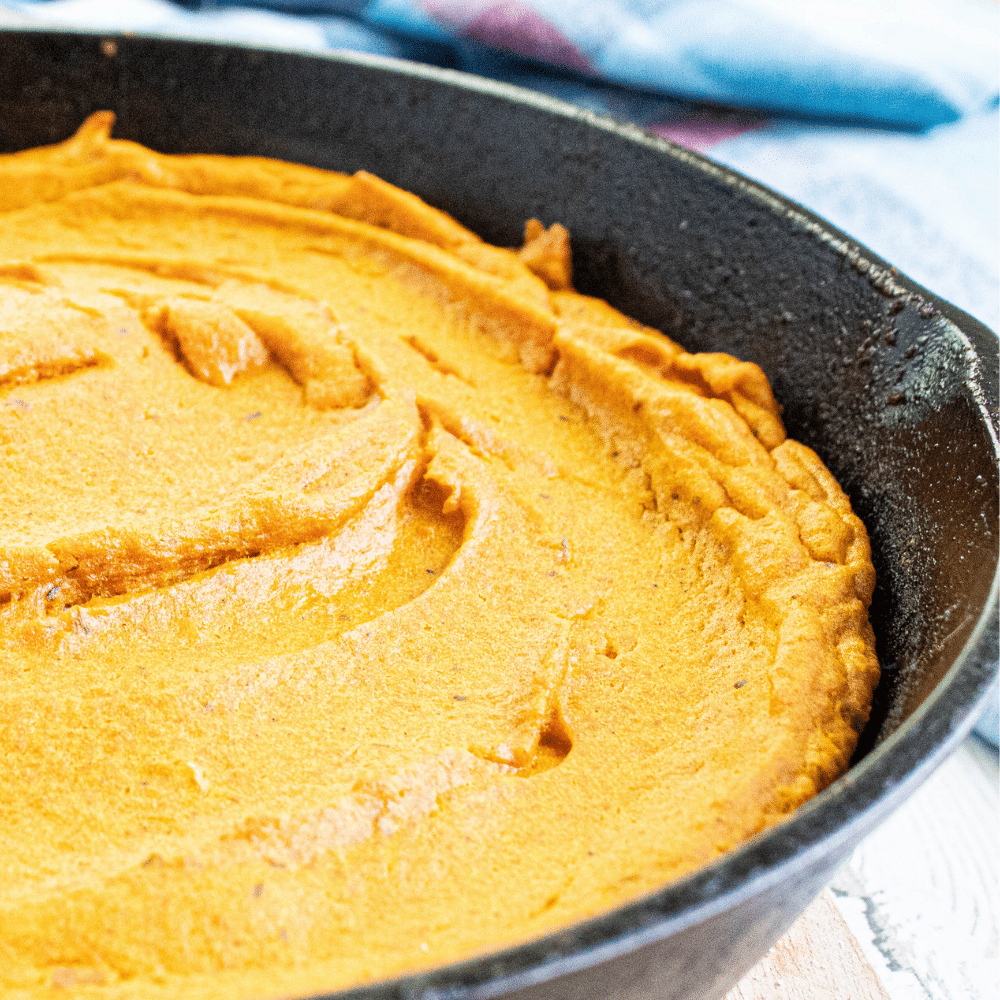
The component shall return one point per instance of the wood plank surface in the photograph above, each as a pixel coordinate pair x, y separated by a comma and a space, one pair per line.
922, 892
914, 914
819, 957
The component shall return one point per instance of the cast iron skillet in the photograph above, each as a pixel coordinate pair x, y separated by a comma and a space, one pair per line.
895, 389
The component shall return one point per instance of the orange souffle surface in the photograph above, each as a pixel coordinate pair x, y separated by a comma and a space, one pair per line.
369, 598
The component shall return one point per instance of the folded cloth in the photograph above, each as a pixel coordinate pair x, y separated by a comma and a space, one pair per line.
917, 63
908, 63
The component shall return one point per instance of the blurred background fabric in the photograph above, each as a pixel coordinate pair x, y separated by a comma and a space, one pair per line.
883, 117
909, 63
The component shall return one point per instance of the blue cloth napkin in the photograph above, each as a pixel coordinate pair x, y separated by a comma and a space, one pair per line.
913, 64
920, 63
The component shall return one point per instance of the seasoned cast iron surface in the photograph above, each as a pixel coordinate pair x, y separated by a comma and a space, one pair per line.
896, 390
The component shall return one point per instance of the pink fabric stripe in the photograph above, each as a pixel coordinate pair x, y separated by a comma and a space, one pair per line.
512, 27
701, 134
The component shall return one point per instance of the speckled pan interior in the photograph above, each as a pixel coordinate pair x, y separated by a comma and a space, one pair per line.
895, 389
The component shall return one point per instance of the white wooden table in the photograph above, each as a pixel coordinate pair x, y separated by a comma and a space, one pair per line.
914, 914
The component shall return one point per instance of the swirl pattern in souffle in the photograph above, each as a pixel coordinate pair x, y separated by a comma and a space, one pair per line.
368, 597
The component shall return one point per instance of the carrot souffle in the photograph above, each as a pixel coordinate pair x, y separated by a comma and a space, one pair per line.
369, 598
